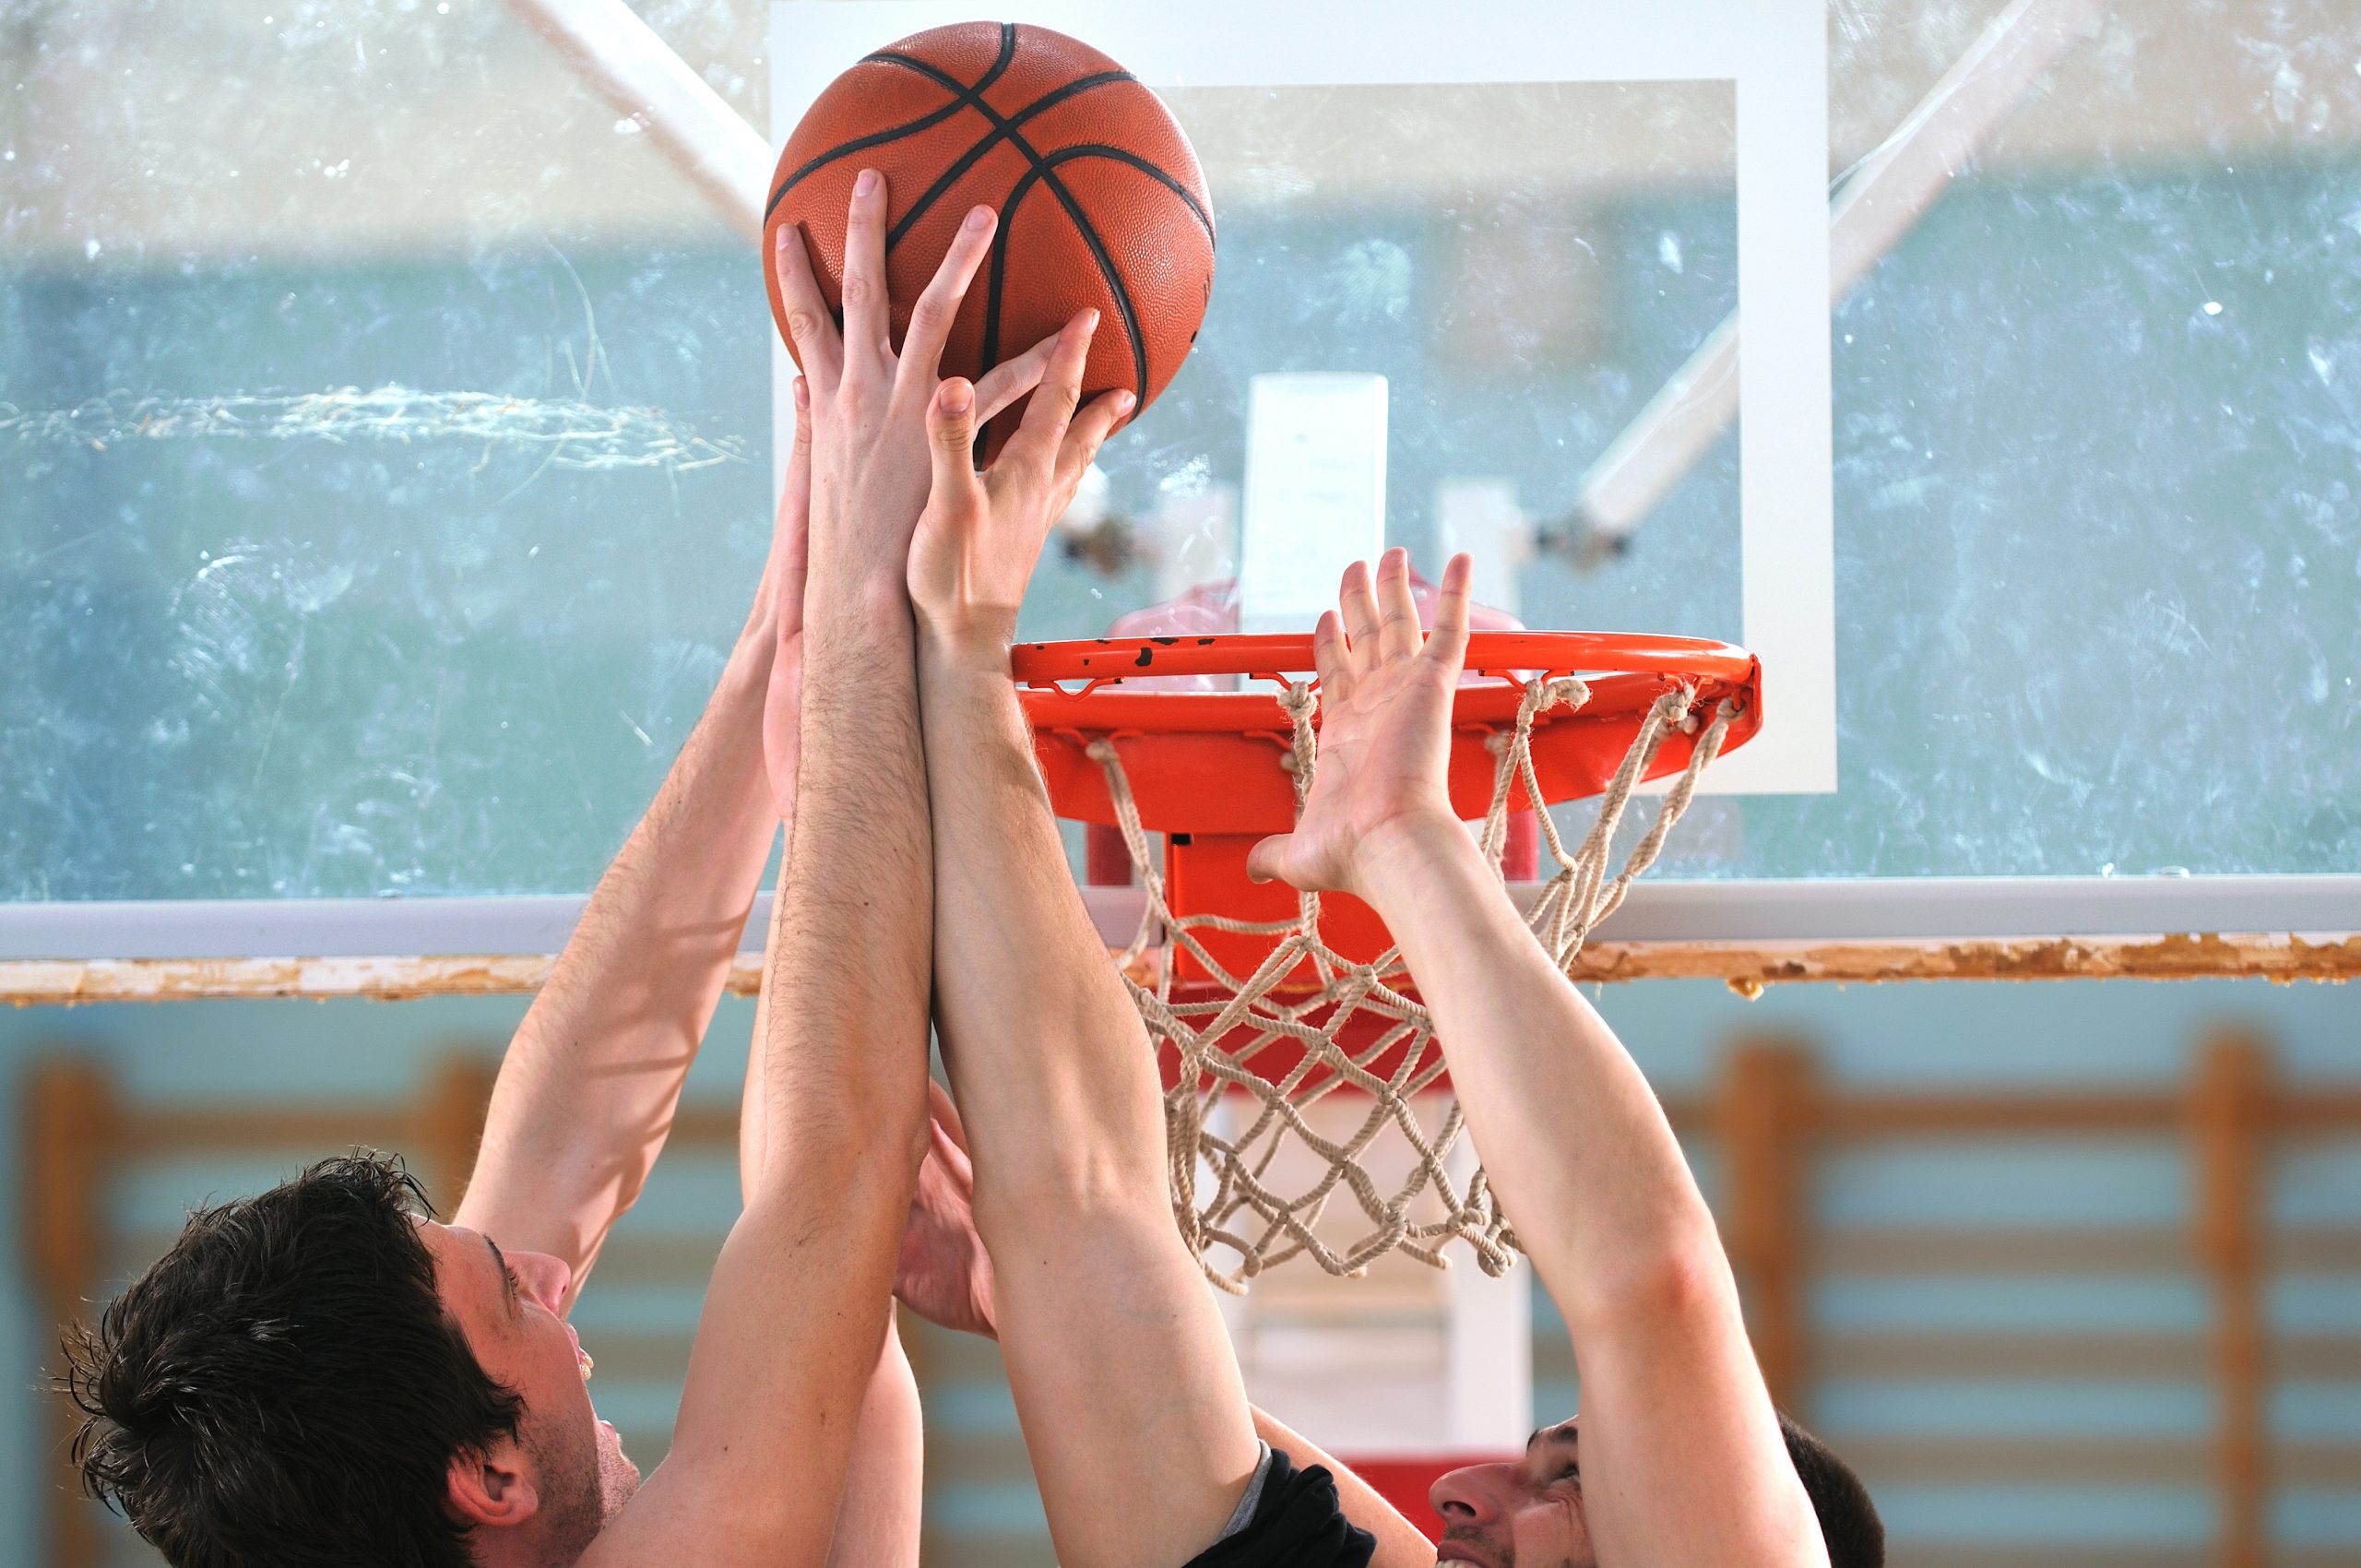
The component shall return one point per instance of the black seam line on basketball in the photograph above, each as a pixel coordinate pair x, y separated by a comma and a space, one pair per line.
1004, 127
1000, 256
1042, 173
924, 122
1133, 160
1047, 176
968, 160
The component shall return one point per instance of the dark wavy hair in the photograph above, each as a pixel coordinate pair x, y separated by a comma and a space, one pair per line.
1848, 1519
284, 1386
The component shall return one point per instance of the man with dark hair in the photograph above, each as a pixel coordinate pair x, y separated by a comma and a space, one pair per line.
1530, 1510
310, 1310
1148, 1452
1848, 1518
324, 1374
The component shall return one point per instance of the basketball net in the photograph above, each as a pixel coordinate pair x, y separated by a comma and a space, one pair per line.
1225, 1122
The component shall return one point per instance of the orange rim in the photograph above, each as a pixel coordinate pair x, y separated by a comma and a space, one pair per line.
1514, 655
1080, 684
1197, 758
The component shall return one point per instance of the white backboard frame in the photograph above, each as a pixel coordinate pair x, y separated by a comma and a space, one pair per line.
1775, 54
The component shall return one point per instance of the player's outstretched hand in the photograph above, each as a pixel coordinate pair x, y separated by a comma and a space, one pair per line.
944, 1275
868, 401
981, 534
1385, 696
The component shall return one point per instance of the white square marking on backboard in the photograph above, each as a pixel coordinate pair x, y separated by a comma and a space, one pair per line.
1315, 457
1775, 54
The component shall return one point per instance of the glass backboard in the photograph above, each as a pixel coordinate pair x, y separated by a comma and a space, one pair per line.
384, 451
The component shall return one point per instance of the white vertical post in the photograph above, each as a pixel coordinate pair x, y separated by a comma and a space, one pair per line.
1489, 1358
1315, 493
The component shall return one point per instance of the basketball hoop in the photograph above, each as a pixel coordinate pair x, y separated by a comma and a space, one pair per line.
1281, 999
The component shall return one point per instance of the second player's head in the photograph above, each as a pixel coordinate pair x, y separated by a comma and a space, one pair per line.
1527, 1512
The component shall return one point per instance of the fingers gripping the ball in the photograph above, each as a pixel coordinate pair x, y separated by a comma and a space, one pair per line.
809, 327
1012, 379
1043, 432
950, 436
1085, 435
931, 318
868, 346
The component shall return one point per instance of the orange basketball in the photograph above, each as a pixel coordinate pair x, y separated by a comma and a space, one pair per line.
1101, 199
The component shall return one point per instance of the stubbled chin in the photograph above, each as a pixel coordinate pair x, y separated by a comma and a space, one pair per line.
617, 1476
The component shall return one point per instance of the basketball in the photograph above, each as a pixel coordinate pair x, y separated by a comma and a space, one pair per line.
1101, 199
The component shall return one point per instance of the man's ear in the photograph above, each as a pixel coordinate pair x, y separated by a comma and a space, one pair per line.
491, 1488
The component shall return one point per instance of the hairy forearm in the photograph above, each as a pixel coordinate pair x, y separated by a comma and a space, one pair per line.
1037, 1111
877, 1521
793, 1356
844, 1052
789, 1360
1575, 1144
588, 1088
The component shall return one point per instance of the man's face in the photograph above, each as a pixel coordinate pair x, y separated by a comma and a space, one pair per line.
1526, 1513
511, 1308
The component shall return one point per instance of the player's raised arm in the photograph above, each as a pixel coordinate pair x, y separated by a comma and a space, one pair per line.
878, 1515
1681, 1461
797, 1311
589, 1082
1125, 1383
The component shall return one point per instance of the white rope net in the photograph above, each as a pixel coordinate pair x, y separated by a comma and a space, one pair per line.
1228, 1123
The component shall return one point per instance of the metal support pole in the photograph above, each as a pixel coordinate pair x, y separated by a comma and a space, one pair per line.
638, 73
1878, 202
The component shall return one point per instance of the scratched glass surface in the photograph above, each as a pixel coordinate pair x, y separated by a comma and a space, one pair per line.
385, 455
2098, 551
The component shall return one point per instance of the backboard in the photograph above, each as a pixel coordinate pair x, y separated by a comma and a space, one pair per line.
1429, 272
349, 488
1945, 450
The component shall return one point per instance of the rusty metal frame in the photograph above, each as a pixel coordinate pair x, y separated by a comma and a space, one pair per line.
1749, 934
